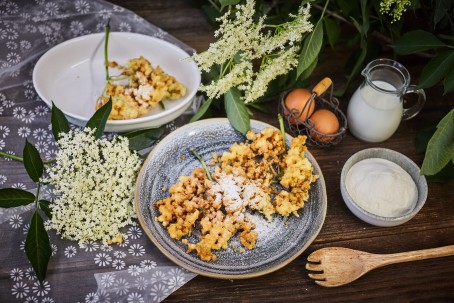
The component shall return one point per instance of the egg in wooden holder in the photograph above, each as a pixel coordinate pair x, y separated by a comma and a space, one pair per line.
311, 114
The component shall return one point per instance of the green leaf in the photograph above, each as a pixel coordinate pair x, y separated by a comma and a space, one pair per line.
446, 174
211, 12
348, 7
44, 205
236, 110
311, 48
144, 138
437, 68
365, 16
333, 31
37, 246
440, 149
416, 41
306, 74
99, 119
13, 197
59, 122
201, 111
423, 138
260, 107
441, 10
225, 3
358, 65
358, 26
449, 82
32, 162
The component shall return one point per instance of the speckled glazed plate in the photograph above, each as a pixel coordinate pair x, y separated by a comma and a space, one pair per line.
279, 241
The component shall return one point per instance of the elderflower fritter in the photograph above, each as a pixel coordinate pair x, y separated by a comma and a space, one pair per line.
394, 8
94, 181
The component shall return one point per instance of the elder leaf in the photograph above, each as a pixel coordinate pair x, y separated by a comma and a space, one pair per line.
437, 68
449, 82
225, 3
13, 197
236, 111
32, 162
44, 205
201, 111
440, 149
144, 138
416, 41
99, 119
59, 122
37, 246
311, 48
333, 31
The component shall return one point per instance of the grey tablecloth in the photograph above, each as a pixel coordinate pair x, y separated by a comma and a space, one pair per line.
134, 271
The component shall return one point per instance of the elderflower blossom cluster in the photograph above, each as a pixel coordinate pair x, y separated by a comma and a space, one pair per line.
242, 38
273, 68
239, 34
394, 8
94, 181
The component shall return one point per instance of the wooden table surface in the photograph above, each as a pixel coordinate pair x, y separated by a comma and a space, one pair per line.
421, 281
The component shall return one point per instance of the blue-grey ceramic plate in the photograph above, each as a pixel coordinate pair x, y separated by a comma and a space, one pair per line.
279, 241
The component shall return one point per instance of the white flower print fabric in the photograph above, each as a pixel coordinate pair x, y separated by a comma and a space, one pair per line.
134, 271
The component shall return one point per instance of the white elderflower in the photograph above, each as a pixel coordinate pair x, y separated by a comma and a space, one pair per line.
394, 8
239, 34
241, 41
94, 180
272, 68
288, 33
240, 73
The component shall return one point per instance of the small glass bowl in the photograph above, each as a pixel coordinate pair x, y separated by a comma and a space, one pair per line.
297, 126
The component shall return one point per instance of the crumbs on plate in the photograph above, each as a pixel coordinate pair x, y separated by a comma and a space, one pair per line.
142, 87
259, 175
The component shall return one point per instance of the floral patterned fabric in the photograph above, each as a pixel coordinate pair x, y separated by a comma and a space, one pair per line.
134, 271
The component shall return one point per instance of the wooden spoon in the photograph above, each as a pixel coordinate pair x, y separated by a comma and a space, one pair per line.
338, 266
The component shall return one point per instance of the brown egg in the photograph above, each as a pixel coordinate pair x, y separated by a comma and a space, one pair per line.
297, 105
324, 121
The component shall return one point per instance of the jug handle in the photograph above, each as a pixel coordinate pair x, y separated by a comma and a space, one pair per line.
412, 111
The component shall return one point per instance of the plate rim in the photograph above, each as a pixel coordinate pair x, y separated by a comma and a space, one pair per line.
188, 98
217, 275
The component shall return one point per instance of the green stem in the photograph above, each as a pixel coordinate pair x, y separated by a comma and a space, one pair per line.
37, 194
2, 153
214, 5
203, 164
224, 70
50, 161
324, 9
106, 44
282, 128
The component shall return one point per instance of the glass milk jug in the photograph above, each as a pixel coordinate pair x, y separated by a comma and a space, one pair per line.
376, 108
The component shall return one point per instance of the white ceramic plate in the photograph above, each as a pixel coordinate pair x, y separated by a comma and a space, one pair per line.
72, 75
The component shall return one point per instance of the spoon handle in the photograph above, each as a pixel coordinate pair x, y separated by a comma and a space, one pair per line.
422, 254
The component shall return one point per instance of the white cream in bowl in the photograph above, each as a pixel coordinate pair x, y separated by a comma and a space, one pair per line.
381, 187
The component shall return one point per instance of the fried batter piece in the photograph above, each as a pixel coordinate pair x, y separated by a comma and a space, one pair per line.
242, 180
147, 86
297, 177
180, 211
